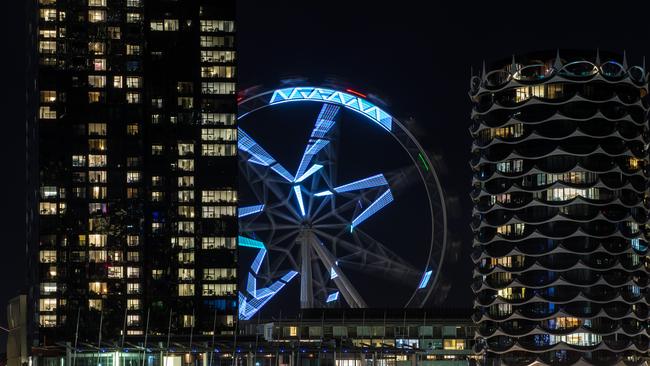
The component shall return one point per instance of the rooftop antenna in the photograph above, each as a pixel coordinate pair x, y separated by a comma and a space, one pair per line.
483, 72
513, 65
624, 59
598, 56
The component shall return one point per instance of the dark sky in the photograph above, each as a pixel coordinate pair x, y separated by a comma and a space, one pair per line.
415, 54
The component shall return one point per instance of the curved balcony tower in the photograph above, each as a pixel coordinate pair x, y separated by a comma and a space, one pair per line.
560, 159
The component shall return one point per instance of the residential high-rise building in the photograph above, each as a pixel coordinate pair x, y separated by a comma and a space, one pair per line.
132, 163
560, 164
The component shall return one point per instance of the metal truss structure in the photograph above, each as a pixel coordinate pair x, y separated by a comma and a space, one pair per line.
306, 225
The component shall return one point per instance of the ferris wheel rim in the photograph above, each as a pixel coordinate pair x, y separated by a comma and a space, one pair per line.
263, 100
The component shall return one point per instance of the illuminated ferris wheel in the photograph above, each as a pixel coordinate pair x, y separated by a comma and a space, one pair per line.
305, 225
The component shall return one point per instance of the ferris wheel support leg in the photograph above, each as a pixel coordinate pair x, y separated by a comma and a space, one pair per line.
306, 286
350, 294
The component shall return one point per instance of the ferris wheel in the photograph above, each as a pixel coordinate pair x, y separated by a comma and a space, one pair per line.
301, 224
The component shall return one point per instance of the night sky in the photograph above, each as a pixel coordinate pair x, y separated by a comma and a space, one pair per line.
416, 58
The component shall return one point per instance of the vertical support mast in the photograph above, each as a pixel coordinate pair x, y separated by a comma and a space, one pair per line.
306, 286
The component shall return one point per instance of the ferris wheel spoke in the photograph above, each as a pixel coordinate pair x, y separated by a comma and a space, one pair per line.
349, 292
374, 255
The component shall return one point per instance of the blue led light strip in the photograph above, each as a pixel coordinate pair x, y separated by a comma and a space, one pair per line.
259, 297
374, 181
349, 101
377, 205
324, 123
260, 156
255, 267
249, 210
314, 168
425, 279
250, 243
301, 204
333, 297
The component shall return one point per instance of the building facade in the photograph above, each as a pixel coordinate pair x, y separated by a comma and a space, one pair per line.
327, 337
132, 165
560, 162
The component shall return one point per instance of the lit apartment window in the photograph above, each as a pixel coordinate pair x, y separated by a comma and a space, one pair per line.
99, 64
217, 88
164, 25
186, 274
133, 304
186, 257
133, 3
132, 240
133, 288
226, 119
95, 304
48, 96
78, 160
132, 49
212, 274
185, 242
229, 196
186, 289
133, 17
185, 148
97, 129
156, 102
512, 229
509, 132
98, 288
48, 208
133, 82
219, 289
48, 288
47, 33
157, 180
218, 150
186, 212
97, 176
133, 177
95, 97
185, 87
49, 192
133, 272
185, 227
186, 165
157, 149
219, 134
186, 181
510, 166
133, 256
96, 81
454, 344
97, 240
96, 48
132, 129
47, 321
96, 16
117, 82
96, 161
218, 72
216, 212
97, 145
47, 256
96, 2
133, 320
115, 272
188, 320
133, 98
185, 196
157, 196
217, 26
46, 112
212, 242
217, 56
98, 256
214, 41
48, 15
